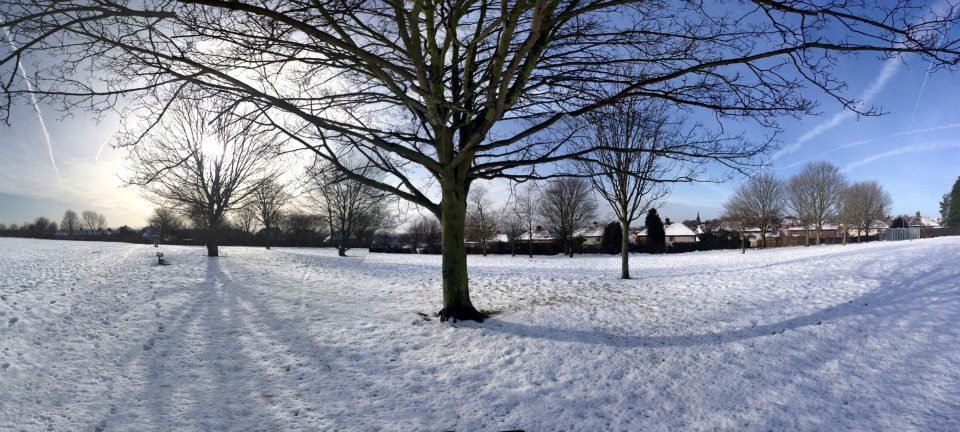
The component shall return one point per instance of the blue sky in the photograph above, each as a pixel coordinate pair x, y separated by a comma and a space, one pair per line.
913, 151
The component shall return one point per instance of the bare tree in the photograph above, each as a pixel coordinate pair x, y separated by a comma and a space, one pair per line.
301, 226
637, 150
814, 192
526, 205
268, 200
865, 203
424, 231
166, 221
201, 163
101, 222
511, 223
351, 207
70, 222
90, 220
42, 227
481, 217
567, 207
759, 202
245, 219
464, 90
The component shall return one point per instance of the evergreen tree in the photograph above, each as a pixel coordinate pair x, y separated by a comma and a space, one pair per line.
899, 222
612, 236
952, 218
656, 237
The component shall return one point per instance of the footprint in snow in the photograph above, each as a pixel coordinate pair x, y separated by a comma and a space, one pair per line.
148, 345
13, 321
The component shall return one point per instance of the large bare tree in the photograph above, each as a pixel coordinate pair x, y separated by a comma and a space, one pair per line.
461, 90
203, 164
814, 192
526, 204
567, 207
759, 202
638, 148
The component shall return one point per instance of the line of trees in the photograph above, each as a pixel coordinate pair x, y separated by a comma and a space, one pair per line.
818, 195
88, 224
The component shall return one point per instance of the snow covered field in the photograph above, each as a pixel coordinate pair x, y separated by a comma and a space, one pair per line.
95, 336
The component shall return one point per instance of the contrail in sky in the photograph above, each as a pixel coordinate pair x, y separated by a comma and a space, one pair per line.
107, 140
36, 106
890, 67
926, 76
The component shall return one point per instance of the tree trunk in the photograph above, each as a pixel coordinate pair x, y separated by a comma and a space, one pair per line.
743, 240
267, 237
342, 250
625, 250
819, 230
456, 291
213, 249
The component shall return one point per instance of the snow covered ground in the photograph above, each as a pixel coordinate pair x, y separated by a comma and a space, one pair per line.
95, 336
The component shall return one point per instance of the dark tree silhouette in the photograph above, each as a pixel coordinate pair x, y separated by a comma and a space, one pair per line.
656, 235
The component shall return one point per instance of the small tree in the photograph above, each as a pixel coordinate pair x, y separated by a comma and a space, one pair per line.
526, 205
423, 231
612, 238
511, 224
350, 207
760, 202
656, 235
70, 222
867, 203
90, 220
268, 200
899, 222
245, 219
567, 207
481, 217
166, 221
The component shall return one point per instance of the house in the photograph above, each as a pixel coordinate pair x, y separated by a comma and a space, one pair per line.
538, 236
592, 235
922, 221
674, 233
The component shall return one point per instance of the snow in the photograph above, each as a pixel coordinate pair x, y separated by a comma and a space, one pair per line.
97, 336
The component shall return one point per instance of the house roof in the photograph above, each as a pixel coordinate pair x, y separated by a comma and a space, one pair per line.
674, 230
541, 234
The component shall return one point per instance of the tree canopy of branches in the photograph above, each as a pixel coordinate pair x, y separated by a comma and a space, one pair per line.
759, 202
567, 207
482, 219
268, 200
202, 164
70, 222
245, 219
462, 90
637, 147
866, 203
814, 192
166, 221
